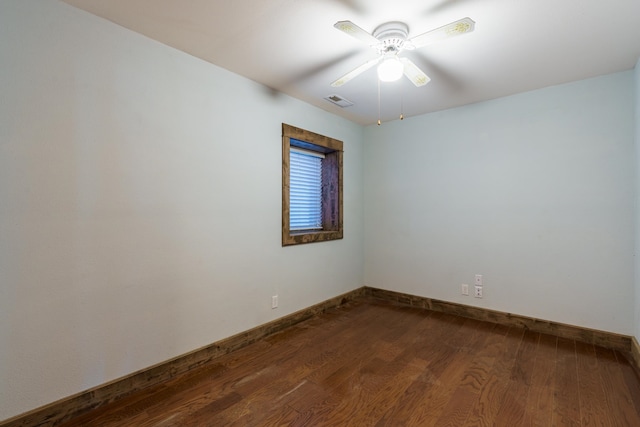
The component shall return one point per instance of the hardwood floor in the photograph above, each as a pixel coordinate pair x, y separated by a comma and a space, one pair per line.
370, 363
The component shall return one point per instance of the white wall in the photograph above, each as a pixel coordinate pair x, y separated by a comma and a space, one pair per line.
140, 204
534, 191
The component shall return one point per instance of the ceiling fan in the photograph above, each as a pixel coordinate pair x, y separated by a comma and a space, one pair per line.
389, 40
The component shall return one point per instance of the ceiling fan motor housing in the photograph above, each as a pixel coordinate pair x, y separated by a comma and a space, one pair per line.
392, 36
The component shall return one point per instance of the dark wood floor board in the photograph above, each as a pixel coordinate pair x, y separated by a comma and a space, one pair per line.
442, 351
540, 399
439, 353
328, 406
333, 370
409, 408
591, 392
305, 353
458, 409
395, 324
256, 402
445, 327
376, 385
254, 376
491, 394
370, 363
363, 387
631, 378
252, 408
402, 349
566, 410
386, 328
307, 395
389, 393
360, 376
481, 359
483, 409
472, 335
619, 399
268, 387
513, 407
321, 351
437, 400
273, 416
433, 397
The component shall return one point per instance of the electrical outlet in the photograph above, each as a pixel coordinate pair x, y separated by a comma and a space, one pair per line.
464, 289
274, 301
478, 293
478, 279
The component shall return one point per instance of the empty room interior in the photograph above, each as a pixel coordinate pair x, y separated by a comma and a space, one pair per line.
474, 259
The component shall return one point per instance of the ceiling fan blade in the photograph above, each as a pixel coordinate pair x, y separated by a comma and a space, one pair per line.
353, 30
353, 73
413, 73
462, 26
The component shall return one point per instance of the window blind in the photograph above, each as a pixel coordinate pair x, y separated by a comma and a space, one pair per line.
305, 189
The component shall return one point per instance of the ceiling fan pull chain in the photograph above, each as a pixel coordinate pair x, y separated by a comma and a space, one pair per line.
379, 122
401, 102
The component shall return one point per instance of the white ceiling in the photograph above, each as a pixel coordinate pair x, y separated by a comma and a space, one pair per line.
292, 47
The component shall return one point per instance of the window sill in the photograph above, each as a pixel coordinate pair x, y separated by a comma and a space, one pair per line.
310, 236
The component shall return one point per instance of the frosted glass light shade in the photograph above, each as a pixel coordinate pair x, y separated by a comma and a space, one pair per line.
390, 70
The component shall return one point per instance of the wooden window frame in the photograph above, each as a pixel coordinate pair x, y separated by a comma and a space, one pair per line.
332, 224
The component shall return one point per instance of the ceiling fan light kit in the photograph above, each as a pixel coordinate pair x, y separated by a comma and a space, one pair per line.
390, 69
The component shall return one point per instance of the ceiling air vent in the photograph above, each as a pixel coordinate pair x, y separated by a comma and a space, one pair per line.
339, 101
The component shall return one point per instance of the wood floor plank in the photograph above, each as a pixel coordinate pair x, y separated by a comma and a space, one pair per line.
475, 378
397, 373
261, 392
566, 409
631, 379
380, 403
619, 399
512, 408
371, 363
367, 375
444, 384
540, 401
439, 352
336, 376
591, 392
491, 395
363, 387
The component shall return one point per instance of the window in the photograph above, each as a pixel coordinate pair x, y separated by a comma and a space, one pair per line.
305, 189
311, 187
